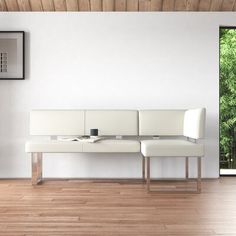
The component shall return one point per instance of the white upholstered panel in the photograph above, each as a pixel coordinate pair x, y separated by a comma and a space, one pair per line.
161, 122
57, 122
171, 148
103, 146
53, 146
113, 146
194, 123
112, 122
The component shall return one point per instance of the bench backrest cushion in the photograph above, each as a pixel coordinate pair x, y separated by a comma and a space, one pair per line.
194, 123
57, 122
190, 123
112, 122
161, 122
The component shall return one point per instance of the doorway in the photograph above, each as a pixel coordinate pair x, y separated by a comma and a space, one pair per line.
227, 100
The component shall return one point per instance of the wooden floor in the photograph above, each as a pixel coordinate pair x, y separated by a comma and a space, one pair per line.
115, 208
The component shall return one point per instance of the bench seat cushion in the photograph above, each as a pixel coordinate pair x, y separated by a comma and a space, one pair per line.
53, 146
171, 147
103, 146
113, 146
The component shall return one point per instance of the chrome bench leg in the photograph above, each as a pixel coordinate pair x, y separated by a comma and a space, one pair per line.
143, 168
187, 174
36, 160
186, 168
199, 175
148, 173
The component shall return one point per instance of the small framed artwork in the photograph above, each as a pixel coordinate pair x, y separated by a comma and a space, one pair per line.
12, 58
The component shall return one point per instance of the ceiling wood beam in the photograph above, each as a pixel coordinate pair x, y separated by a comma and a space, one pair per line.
144, 5
192, 5
60, 5
72, 5
168, 5
156, 5
120, 5
216, 5
108, 5
227, 5
84, 5
132, 5
234, 7
48, 5
96, 5
180, 5
3, 6
12, 5
36, 5
24, 5
204, 5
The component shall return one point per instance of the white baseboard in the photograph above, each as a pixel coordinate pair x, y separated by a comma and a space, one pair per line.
227, 171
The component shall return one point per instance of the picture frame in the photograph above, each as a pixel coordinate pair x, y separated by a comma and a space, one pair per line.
12, 55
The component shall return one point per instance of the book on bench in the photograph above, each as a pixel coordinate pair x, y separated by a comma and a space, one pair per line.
84, 139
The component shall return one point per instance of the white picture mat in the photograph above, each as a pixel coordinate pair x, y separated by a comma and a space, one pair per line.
14, 49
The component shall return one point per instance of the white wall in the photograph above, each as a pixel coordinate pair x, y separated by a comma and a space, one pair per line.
111, 60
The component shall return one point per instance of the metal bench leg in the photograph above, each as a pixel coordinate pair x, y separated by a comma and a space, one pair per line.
199, 175
143, 166
186, 168
148, 173
36, 160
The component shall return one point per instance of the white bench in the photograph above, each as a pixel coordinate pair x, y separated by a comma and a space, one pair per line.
137, 129
53, 123
173, 123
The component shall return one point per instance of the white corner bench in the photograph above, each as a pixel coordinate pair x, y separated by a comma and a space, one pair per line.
137, 129
173, 123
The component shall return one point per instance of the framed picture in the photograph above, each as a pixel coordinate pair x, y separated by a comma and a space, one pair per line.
12, 57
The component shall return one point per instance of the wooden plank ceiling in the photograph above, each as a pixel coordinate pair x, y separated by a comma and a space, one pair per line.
117, 5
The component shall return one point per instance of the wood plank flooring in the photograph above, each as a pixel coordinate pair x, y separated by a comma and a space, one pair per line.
76, 207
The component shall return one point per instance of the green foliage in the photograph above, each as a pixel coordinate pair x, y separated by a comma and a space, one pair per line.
227, 89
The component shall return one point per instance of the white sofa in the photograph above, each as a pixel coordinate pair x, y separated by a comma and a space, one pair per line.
125, 131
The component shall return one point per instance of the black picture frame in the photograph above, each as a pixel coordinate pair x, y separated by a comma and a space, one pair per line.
19, 72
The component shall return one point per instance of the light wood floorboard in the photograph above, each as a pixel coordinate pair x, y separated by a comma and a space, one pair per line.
76, 207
